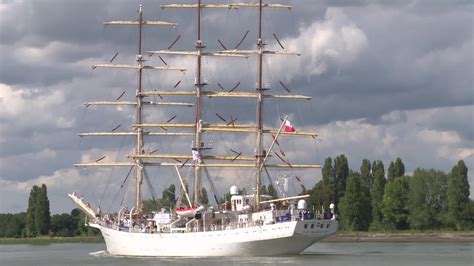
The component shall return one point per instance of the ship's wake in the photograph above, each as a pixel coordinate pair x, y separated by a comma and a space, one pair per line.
100, 254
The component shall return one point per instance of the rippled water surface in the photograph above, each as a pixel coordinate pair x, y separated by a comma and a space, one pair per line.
325, 253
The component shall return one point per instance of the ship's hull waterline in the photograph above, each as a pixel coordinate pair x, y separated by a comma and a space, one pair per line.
272, 239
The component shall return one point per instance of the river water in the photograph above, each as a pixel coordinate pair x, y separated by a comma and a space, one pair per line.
325, 253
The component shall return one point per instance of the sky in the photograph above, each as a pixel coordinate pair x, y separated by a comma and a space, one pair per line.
387, 79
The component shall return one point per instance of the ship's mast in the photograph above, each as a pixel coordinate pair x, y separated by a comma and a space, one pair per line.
139, 111
138, 103
198, 86
259, 143
257, 162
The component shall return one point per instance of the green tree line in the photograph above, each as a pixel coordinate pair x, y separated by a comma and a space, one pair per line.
37, 220
369, 199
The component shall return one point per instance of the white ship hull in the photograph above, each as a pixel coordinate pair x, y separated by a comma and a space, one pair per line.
272, 239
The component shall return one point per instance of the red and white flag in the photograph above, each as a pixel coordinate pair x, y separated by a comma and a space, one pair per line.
289, 127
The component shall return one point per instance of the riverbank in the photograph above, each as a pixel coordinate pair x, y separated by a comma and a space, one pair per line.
402, 237
46, 240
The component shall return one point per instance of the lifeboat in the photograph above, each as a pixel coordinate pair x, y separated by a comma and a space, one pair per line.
189, 212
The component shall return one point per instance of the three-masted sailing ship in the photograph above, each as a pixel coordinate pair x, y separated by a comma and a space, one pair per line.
249, 223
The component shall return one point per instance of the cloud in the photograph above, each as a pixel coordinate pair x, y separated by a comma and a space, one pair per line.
336, 41
332, 44
58, 185
413, 139
97, 186
28, 109
439, 137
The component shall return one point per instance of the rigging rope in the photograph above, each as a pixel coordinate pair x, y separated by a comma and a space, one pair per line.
213, 188
121, 186
152, 190
126, 192
112, 170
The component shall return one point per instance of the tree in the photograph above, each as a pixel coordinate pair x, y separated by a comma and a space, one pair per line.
341, 172
30, 213
366, 174
65, 225
272, 192
366, 180
47, 212
12, 225
458, 196
427, 201
151, 205
38, 215
168, 199
377, 193
391, 172
169, 194
38, 219
82, 229
470, 215
395, 204
42, 213
335, 176
355, 205
204, 197
321, 195
328, 170
399, 167
395, 169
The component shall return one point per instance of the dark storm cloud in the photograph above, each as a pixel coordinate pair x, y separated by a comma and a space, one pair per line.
37, 23
414, 59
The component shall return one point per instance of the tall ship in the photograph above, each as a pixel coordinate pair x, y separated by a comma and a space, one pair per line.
248, 220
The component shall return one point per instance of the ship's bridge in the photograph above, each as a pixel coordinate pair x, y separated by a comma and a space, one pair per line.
243, 202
